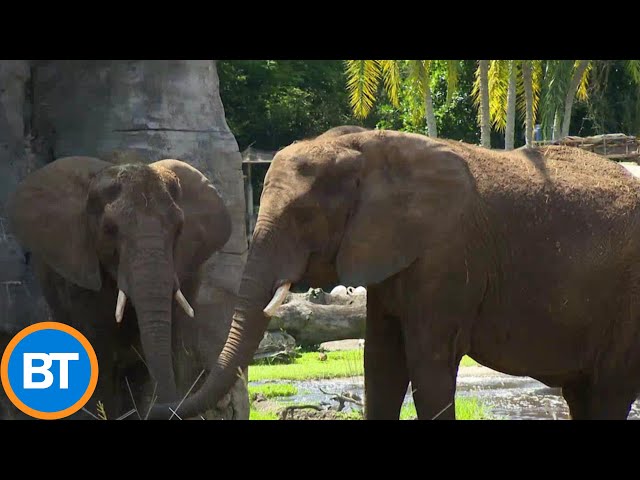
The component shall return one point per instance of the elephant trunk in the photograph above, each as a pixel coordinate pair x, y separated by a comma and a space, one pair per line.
268, 266
150, 283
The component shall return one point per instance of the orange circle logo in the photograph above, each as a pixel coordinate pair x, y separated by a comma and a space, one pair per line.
49, 370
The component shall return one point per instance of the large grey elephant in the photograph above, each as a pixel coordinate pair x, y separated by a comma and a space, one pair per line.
529, 261
117, 249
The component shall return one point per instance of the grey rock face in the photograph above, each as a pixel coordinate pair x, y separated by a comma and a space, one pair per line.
20, 300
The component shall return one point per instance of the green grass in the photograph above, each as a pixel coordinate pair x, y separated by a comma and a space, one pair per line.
270, 390
262, 415
345, 363
468, 362
466, 409
350, 415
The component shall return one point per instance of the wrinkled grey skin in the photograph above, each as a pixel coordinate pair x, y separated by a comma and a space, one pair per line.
94, 228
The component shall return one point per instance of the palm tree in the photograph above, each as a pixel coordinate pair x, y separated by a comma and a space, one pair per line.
482, 98
529, 86
514, 86
364, 76
577, 87
566, 80
510, 126
363, 80
420, 77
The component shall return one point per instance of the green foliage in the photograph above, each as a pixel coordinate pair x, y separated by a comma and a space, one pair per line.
350, 415
363, 80
613, 104
455, 116
466, 409
343, 363
262, 415
346, 363
555, 83
468, 362
271, 390
271, 103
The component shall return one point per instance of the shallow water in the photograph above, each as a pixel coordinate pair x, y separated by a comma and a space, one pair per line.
507, 397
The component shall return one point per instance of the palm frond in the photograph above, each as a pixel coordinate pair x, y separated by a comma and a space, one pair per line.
390, 70
582, 92
498, 91
475, 93
633, 67
419, 74
556, 79
536, 85
363, 78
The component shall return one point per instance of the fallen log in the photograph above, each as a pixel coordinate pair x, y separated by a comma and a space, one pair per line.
316, 316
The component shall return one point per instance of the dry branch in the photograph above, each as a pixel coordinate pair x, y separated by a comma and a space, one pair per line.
344, 398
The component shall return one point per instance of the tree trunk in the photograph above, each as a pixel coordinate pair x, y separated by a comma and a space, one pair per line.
557, 121
571, 94
509, 131
432, 127
485, 120
312, 321
528, 92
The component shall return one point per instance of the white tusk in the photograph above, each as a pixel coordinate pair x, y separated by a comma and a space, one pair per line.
278, 298
183, 303
122, 300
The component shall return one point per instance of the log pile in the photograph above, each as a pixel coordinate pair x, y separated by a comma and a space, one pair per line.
616, 146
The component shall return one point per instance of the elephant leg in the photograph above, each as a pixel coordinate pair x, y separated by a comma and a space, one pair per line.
386, 376
589, 401
576, 394
609, 402
432, 361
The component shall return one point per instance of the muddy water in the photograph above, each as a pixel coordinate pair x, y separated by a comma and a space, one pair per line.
507, 397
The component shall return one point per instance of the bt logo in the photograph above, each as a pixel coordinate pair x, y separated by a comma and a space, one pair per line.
49, 370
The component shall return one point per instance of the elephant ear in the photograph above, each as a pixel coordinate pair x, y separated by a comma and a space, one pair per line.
47, 214
207, 223
411, 196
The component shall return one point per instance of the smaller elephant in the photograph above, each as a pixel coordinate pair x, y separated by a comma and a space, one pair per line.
117, 251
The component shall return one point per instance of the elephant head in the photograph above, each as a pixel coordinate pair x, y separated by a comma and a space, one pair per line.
145, 226
349, 207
